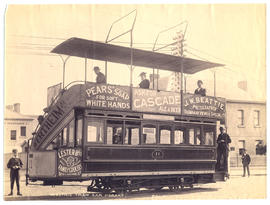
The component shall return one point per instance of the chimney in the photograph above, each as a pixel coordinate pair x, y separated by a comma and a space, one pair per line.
9, 107
17, 107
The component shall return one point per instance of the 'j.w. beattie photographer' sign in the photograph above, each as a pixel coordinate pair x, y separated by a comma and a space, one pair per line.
69, 163
107, 96
146, 100
204, 106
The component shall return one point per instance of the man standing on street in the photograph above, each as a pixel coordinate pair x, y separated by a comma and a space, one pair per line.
245, 161
223, 148
14, 164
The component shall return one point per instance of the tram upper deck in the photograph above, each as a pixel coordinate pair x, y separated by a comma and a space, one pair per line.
149, 102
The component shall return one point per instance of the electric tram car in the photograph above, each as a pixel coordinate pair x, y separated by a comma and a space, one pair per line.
123, 138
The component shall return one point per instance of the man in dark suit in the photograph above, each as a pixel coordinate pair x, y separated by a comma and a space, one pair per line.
14, 164
200, 91
100, 76
223, 148
145, 83
245, 161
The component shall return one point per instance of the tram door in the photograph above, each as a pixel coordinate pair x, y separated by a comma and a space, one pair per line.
69, 153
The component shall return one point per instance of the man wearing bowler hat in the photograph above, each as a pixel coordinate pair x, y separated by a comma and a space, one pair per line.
14, 164
145, 83
223, 148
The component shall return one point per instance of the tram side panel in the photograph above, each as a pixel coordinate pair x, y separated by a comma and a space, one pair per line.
42, 164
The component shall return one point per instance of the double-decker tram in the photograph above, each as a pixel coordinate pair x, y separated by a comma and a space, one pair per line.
123, 138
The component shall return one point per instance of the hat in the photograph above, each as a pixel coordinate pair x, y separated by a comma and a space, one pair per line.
142, 73
14, 151
200, 81
221, 128
96, 68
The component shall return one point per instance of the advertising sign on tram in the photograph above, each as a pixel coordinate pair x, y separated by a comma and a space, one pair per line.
107, 96
146, 100
69, 162
204, 106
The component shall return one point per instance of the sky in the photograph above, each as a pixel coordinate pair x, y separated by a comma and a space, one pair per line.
233, 35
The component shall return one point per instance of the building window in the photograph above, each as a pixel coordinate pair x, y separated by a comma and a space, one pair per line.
241, 146
23, 131
256, 118
260, 147
13, 134
240, 117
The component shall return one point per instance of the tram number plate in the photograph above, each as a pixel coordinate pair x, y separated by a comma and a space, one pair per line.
157, 154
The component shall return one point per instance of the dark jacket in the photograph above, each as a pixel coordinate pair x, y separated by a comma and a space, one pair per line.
100, 78
201, 92
223, 145
246, 159
14, 164
145, 84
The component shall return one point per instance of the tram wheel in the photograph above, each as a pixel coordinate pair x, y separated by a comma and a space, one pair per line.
158, 188
174, 188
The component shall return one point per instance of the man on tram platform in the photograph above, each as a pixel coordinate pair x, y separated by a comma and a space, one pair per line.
223, 149
200, 90
145, 83
100, 76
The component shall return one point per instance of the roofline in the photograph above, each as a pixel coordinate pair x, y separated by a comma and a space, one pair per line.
245, 102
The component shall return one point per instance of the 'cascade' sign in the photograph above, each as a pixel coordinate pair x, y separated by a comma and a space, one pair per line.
204, 106
107, 96
146, 100
69, 162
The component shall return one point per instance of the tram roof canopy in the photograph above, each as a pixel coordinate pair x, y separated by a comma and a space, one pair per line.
119, 54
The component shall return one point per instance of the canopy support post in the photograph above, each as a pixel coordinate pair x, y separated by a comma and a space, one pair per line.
153, 79
85, 70
64, 68
214, 83
106, 72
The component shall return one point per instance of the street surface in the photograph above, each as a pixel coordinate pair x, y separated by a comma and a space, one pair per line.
237, 187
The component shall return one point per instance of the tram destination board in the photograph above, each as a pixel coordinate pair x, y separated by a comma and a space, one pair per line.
107, 96
146, 100
204, 106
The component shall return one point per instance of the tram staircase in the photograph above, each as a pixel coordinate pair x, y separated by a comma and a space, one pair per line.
67, 99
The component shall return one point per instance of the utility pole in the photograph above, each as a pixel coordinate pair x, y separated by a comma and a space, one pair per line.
178, 50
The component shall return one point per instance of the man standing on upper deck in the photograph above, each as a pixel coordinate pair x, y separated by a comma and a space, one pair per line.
200, 90
14, 164
223, 148
100, 76
145, 83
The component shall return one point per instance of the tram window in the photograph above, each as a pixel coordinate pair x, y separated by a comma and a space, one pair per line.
197, 140
71, 134
114, 132
114, 135
165, 134
64, 138
95, 131
179, 136
132, 133
209, 136
149, 134
79, 132
191, 136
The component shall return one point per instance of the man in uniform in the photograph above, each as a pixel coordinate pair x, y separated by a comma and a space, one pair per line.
200, 90
223, 148
100, 76
14, 164
245, 161
145, 83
